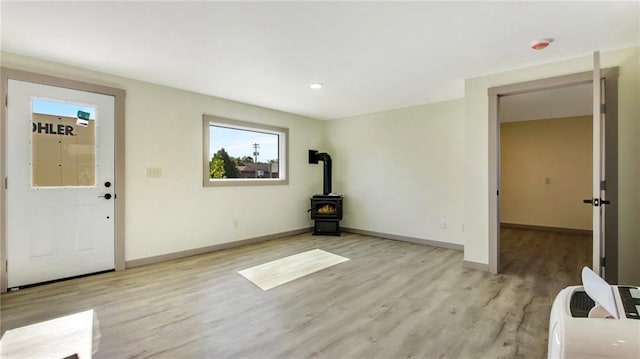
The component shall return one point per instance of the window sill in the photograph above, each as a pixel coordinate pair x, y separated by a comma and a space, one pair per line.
245, 182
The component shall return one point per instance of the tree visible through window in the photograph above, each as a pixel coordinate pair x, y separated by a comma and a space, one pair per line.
243, 151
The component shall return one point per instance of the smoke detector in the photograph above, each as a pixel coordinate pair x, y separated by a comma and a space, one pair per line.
541, 44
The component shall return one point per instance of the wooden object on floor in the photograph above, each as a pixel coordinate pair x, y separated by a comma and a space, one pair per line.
63, 337
275, 273
392, 299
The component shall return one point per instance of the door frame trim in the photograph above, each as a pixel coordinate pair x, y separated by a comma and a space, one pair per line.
119, 160
494, 94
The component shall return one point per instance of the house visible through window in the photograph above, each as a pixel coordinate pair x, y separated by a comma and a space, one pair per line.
238, 152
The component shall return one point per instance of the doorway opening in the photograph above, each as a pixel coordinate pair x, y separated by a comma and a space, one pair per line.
498, 96
546, 167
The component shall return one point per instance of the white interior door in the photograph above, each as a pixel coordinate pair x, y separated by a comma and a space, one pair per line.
60, 174
598, 196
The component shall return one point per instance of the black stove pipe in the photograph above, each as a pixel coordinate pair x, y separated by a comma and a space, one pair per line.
314, 157
324, 157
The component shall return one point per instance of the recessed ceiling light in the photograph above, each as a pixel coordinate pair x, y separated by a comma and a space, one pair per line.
316, 85
541, 43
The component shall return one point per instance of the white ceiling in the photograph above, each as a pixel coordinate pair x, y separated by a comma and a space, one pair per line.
371, 56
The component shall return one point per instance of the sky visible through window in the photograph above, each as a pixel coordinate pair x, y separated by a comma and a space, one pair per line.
239, 143
49, 107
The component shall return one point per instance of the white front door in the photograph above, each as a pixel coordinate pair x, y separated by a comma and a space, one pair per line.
60, 180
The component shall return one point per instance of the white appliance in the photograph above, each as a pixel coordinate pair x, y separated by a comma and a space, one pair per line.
595, 320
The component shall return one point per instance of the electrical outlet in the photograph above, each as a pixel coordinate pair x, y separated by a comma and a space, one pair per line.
154, 172
443, 224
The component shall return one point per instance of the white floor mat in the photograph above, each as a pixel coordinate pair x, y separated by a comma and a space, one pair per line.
281, 271
56, 338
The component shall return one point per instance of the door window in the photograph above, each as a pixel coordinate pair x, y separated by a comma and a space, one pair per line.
63, 148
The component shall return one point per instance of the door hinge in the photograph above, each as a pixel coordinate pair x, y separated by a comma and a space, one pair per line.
603, 261
603, 108
6, 265
6, 183
603, 185
6, 100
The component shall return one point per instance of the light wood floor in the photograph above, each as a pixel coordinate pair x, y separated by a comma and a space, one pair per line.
391, 300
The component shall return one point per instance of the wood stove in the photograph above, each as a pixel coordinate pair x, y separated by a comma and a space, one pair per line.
326, 211
326, 208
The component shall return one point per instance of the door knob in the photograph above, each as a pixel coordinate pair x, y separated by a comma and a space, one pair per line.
106, 196
596, 201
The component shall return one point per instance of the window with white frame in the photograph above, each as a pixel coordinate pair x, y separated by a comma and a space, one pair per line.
243, 153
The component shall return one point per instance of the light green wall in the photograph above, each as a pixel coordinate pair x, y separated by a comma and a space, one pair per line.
175, 212
476, 186
402, 170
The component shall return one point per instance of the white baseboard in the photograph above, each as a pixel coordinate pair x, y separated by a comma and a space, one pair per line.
476, 265
458, 247
216, 247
